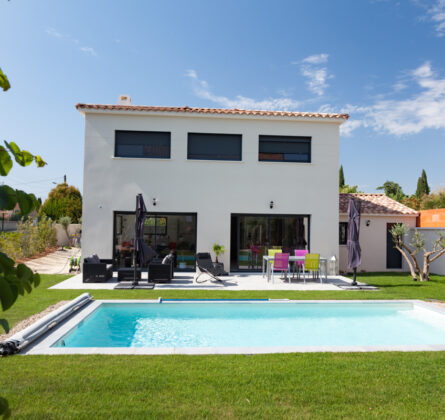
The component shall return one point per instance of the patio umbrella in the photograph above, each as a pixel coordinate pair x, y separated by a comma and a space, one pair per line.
354, 251
139, 248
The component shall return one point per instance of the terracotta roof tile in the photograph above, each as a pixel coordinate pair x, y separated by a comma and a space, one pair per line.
218, 111
375, 204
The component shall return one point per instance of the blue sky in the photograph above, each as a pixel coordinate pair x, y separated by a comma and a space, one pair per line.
383, 62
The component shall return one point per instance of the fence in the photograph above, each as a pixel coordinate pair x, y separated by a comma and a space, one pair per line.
73, 229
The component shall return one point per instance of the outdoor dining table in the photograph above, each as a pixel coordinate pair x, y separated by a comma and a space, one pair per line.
266, 267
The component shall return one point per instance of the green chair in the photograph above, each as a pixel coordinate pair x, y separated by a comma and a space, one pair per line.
271, 253
312, 265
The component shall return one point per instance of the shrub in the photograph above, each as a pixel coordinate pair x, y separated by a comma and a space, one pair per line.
30, 239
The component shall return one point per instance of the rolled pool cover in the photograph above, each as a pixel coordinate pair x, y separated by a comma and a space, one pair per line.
23, 338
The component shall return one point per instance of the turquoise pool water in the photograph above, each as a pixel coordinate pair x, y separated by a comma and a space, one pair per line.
256, 324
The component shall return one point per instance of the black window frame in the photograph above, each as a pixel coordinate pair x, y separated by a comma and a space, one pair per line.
343, 233
144, 132
240, 136
263, 138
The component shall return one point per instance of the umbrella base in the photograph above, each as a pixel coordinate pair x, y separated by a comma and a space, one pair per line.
130, 285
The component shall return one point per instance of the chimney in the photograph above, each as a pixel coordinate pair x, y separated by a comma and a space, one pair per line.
124, 100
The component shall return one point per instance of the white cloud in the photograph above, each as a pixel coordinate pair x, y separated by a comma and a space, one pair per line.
422, 110
437, 15
53, 32
202, 90
88, 50
316, 59
316, 74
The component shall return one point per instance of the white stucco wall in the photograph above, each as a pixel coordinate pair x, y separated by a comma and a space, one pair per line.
373, 242
212, 189
431, 235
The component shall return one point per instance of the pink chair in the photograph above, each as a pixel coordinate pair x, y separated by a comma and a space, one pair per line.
281, 263
300, 264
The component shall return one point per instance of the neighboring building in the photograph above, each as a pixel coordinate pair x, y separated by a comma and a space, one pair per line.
434, 218
247, 180
378, 214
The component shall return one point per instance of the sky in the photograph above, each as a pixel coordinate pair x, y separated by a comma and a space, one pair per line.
381, 61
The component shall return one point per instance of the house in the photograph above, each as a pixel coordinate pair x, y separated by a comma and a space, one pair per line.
245, 179
378, 214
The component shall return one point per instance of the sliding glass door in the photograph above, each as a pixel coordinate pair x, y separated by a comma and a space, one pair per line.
253, 234
163, 232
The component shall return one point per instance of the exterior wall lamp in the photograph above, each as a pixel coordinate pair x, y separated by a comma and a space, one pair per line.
271, 204
368, 222
155, 201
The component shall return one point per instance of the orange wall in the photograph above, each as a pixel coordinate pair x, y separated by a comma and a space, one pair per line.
431, 218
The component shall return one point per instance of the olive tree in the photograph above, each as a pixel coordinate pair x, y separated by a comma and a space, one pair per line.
411, 251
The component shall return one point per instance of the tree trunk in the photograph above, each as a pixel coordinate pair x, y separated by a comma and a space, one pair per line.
408, 257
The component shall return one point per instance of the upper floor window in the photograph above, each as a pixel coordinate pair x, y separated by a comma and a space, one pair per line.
214, 146
142, 144
343, 231
285, 149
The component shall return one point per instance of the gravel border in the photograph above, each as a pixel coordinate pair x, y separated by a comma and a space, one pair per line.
30, 320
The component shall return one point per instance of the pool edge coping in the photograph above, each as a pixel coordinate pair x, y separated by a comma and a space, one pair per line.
43, 345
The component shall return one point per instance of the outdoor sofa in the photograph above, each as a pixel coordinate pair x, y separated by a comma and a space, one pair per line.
96, 270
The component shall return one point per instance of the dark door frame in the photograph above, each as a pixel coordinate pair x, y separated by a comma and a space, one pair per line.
390, 252
156, 213
269, 216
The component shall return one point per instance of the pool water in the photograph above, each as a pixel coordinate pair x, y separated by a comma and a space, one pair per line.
256, 324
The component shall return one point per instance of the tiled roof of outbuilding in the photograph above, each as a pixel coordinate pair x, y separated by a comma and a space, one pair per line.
215, 111
375, 204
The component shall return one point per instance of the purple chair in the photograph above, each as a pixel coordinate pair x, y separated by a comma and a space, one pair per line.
281, 263
299, 264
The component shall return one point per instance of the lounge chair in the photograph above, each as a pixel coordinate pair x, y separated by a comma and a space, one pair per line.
205, 265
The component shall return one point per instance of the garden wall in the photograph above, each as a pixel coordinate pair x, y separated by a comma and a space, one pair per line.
430, 235
62, 240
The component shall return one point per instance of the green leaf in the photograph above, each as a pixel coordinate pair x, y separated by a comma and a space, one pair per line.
4, 83
8, 197
24, 273
6, 294
39, 161
36, 279
22, 157
25, 201
5, 161
6, 262
4, 324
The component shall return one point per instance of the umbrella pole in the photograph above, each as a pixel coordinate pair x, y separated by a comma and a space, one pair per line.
354, 277
135, 282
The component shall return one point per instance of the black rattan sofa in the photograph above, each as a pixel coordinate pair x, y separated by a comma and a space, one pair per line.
159, 272
97, 270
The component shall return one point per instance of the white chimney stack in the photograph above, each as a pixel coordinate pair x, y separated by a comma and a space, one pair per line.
124, 100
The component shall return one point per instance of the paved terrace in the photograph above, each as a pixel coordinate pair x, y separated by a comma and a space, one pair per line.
235, 281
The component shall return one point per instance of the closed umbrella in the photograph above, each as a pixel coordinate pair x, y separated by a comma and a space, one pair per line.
139, 248
354, 251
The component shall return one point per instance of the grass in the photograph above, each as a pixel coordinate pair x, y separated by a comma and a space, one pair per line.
313, 385
288, 386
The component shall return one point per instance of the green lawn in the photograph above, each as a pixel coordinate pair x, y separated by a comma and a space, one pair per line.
318, 385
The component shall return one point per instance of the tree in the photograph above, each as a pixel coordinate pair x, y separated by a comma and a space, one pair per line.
398, 232
341, 182
63, 200
14, 280
422, 185
218, 249
65, 221
393, 190
349, 189
435, 200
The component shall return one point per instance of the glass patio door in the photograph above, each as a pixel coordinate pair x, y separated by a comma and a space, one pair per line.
254, 235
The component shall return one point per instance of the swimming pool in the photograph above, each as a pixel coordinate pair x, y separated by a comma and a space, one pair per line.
249, 327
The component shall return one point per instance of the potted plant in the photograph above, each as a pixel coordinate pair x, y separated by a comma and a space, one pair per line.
218, 250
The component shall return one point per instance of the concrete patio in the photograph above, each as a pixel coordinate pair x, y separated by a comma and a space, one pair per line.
235, 281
